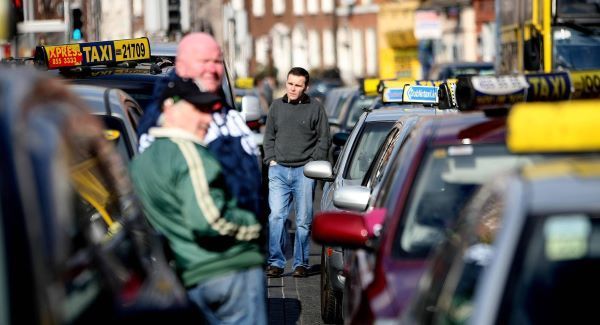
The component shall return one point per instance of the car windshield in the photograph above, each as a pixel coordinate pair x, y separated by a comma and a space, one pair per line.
356, 109
369, 141
576, 49
446, 180
586, 8
557, 260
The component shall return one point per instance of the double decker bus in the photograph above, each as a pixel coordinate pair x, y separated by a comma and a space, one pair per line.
548, 35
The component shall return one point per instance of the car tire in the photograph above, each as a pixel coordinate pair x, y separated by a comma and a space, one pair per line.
331, 302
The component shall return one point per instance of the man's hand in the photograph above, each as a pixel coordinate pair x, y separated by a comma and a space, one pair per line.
272, 163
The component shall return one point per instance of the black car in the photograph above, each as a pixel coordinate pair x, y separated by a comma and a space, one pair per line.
74, 244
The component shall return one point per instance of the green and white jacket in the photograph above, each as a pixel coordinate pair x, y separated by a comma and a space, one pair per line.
183, 192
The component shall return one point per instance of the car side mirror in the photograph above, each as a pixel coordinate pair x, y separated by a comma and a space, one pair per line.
355, 198
319, 169
251, 108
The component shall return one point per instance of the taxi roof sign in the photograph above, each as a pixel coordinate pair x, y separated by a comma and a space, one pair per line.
568, 126
411, 94
244, 83
369, 86
93, 53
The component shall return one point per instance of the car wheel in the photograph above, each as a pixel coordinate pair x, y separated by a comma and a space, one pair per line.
331, 304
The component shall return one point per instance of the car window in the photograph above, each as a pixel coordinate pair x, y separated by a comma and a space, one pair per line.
356, 109
365, 149
382, 158
556, 260
120, 141
472, 251
134, 112
335, 109
447, 178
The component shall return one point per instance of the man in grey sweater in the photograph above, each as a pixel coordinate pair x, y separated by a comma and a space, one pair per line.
297, 131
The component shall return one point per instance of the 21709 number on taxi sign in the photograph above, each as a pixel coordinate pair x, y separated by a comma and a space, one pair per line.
134, 49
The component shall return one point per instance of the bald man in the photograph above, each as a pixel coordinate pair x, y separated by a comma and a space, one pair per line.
200, 58
230, 141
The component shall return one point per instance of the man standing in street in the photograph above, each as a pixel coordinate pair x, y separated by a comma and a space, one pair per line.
296, 132
184, 194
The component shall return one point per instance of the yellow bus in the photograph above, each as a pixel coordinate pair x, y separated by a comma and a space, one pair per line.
548, 35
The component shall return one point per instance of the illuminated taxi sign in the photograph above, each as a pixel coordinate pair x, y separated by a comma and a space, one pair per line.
369, 86
392, 95
586, 84
568, 126
420, 94
94, 53
244, 83
481, 92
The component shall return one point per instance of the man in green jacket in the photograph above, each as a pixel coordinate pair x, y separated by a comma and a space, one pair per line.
184, 195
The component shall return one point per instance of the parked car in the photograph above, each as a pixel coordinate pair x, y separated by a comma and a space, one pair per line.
75, 246
353, 104
118, 111
363, 144
443, 71
512, 258
435, 172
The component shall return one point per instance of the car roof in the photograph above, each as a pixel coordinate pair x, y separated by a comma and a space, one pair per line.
575, 181
392, 113
453, 129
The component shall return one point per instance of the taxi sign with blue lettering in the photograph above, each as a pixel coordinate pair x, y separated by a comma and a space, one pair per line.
392, 95
420, 94
94, 53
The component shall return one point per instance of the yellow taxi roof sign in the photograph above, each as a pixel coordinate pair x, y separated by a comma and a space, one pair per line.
93, 53
368, 86
244, 83
569, 126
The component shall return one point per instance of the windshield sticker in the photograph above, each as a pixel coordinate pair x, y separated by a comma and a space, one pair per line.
460, 150
566, 237
439, 153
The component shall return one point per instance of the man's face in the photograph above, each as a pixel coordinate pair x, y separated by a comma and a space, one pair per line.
183, 115
295, 86
203, 64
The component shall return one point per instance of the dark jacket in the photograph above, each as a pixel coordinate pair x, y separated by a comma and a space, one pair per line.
296, 133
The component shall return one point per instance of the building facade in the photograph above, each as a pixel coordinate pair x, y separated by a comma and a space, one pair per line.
276, 35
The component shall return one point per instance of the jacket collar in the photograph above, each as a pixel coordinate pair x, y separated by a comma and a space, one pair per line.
174, 133
304, 99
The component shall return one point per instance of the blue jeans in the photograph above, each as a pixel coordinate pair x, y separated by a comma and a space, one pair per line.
285, 184
234, 298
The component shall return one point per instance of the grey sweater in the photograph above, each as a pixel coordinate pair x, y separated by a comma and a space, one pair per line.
296, 133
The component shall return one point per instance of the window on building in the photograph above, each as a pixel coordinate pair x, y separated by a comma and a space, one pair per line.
314, 49
278, 7
328, 48
312, 6
327, 6
298, 7
358, 55
371, 51
258, 8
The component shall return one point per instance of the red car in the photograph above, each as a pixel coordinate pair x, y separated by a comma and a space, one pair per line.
441, 164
